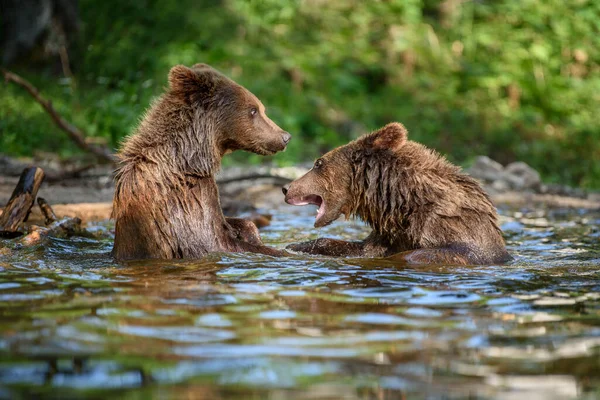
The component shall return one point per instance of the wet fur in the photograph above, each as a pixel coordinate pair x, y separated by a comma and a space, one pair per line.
166, 203
417, 203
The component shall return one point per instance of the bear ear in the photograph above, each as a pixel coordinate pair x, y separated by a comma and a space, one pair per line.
195, 79
202, 66
182, 78
390, 137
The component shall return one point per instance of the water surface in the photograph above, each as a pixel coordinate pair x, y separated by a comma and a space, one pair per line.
73, 323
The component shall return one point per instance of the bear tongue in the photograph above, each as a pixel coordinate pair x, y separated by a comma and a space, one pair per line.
306, 200
314, 199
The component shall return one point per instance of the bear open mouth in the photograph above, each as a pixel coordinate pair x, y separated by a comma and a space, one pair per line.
310, 199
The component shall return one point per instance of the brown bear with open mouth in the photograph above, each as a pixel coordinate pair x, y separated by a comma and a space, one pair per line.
422, 209
166, 201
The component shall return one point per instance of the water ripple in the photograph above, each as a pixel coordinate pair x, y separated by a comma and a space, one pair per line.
247, 325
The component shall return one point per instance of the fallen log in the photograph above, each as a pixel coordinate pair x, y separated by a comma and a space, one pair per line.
63, 228
22, 199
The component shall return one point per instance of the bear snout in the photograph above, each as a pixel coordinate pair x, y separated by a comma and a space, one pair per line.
285, 189
286, 137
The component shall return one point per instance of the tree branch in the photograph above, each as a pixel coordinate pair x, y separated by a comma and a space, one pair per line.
278, 179
49, 215
72, 131
60, 176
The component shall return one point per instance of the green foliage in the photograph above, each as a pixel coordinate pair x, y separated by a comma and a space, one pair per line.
514, 79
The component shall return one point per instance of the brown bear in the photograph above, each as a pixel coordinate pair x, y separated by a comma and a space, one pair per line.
422, 209
166, 203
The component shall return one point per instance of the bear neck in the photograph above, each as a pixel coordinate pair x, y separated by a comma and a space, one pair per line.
390, 188
179, 139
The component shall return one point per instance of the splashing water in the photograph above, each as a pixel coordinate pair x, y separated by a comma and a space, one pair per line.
244, 326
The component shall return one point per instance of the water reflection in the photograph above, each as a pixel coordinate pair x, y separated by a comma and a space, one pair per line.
252, 326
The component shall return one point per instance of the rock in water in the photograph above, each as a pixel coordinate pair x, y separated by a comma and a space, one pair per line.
486, 169
522, 177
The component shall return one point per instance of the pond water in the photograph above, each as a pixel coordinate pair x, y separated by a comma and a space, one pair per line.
73, 323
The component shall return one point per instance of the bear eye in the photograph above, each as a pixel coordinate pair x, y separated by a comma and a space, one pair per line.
318, 164
253, 111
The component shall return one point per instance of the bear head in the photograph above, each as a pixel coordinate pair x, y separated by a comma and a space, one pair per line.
237, 116
330, 184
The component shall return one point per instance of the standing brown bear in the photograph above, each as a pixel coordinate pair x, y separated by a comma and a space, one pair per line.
417, 203
166, 201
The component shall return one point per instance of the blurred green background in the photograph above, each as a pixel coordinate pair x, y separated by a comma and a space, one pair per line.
513, 79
